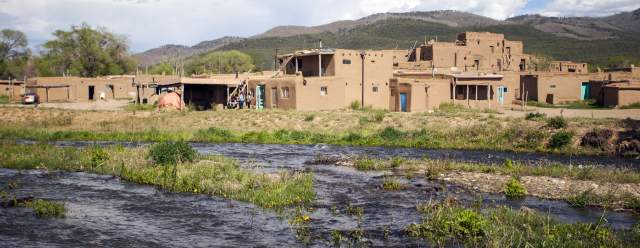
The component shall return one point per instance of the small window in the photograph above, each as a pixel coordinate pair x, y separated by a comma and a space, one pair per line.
346, 61
323, 91
375, 89
284, 92
505, 90
553, 86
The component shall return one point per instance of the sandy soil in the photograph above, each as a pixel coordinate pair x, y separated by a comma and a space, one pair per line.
584, 113
540, 186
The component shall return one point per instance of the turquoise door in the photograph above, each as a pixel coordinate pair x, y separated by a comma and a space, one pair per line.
403, 102
501, 91
584, 92
260, 97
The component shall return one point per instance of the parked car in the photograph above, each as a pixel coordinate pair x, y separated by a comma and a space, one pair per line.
30, 98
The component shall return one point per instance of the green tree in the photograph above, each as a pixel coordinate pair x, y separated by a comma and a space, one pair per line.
622, 61
87, 52
14, 53
163, 68
220, 62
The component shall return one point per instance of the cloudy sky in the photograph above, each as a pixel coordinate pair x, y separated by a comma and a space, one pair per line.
151, 23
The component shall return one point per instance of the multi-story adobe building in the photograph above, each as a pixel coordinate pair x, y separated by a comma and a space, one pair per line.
479, 70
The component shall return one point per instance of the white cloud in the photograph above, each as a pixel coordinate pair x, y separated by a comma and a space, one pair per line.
151, 23
568, 8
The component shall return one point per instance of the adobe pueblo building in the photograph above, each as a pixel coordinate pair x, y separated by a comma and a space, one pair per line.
477, 70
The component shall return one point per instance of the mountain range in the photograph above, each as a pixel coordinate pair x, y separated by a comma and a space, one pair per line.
589, 39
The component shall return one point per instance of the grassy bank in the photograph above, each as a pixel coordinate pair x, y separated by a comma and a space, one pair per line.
449, 224
481, 137
213, 175
450, 127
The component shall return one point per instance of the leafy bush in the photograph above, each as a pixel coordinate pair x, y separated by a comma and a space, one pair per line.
535, 116
560, 139
390, 133
355, 105
597, 138
557, 122
392, 184
166, 153
514, 189
4, 99
581, 200
46, 209
309, 118
531, 138
98, 157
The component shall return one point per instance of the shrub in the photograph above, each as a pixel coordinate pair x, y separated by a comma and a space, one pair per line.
560, 139
392, 184
309, 118
597, 138
581, 200
390, 133
166, 153
557, 122
514, 189
46, 209
355, 105
530, 138
535, 116
98, 157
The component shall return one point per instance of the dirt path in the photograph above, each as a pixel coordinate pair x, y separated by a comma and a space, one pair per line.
585, 113
109, 105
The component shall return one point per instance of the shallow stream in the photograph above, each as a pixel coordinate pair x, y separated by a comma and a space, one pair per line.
105, 211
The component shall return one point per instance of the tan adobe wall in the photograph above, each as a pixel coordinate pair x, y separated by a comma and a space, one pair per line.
279, 85
16, 90
628, 96
378, 71
559, 88
422, 94
309, 94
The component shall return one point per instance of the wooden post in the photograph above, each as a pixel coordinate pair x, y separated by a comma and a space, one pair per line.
467, 93
476, 95
296, 65
489, 94
46, 90
319, 64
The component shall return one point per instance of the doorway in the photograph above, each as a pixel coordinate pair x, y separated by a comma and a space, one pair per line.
501, 92
92, 90
403, 102
260, 97
585, 91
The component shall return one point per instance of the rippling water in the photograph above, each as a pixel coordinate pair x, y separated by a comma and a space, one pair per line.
105, 211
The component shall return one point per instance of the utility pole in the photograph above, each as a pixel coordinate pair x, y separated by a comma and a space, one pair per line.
362, 56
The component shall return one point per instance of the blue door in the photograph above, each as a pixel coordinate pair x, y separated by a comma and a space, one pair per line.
260, 97
403, 102
584, 92
501, 91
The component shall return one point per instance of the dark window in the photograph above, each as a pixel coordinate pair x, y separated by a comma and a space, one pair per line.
375, 89
346, 61
323, 91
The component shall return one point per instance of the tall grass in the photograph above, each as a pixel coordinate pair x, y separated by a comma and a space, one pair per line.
449, 224
593, 173
474, 137
214, 175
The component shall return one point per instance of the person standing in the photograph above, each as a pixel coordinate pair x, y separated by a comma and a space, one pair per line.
241, 100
